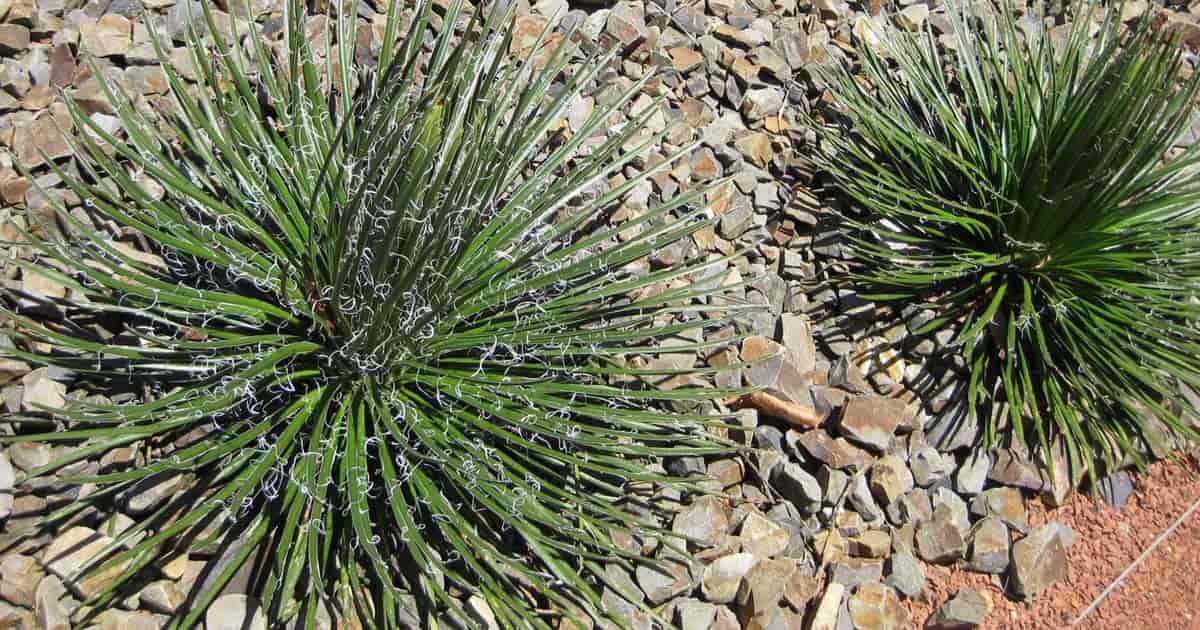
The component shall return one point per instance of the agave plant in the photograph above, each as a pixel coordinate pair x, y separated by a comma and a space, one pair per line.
377, 327
1025, 191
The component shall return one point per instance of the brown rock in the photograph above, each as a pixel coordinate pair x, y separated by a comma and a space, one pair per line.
756, 148
110, 36
14, 39
871, 421
685, 59
1038, 561
41, 135
836, 453
876, 607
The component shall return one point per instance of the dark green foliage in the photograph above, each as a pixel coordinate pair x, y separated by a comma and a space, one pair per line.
1029, 193
377, 329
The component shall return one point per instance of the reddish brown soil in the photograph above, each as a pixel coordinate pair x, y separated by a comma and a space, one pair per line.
1163, 593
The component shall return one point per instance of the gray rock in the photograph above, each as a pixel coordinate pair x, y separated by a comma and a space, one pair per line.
939, 540
70, 551
797, 486
955, 506
904, 574
764, 584
1038, 561
1010, 469
182, 16
989, 547
1115, 489
8, 478
1007, 504
737, 220
762, 102
695, 615
705, 521
662, 584
890, 478
29, 455
235, 612
871, 421
723, 576
968, 609
929, 466
951, 433
796, 334
152, 492
833, 482
853, 572
862, 500
972, 473
626, 23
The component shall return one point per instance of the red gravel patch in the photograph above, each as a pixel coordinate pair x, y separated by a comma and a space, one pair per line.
1163, 593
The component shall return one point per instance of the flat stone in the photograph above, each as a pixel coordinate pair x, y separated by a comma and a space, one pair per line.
1010, 469
762, 102
862, 500
826, 615
762, 537
904, 574
945, 499
8, 479
877, 607
723, 577
972, 474
662, 584
1114, 489
939, 540
41, 136
968, 608
871, 421
14, 39
853, 572
114, 619
890, 478
161, 596
684, 60
989, 547
235, 612
798, 486
929, 466
1007, 504
837, 453
1038, 561
705, 521
912, 17
695, 615
152, 492
50, 606
110, 36
42, 393
19, 578
871, 544
756, 148
764, 584
626, 23
70, 551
